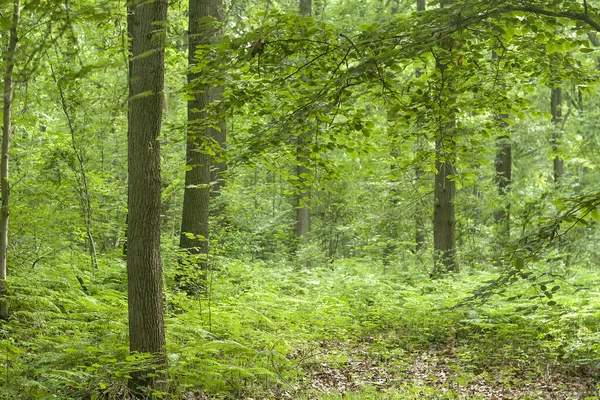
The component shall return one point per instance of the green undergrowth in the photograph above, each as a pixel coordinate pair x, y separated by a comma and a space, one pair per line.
261, 325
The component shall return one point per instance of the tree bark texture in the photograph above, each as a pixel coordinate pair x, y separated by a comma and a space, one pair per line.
219, 165
146, 22
196, 198
200, 172
556, 111
444, 220
9, 61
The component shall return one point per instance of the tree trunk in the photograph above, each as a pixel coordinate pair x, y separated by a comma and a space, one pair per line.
305, 7
196, 199
303, 197
9, 59
219, 165
419, 219
199, 175
444, 223
503, 175
503, 179
444, 220
146, 23
302, 159
556, 110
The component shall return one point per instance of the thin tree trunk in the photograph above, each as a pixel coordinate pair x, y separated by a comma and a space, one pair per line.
419, 220
6, 130
82, 183
556, 110
302, 160
146, 23
303, 197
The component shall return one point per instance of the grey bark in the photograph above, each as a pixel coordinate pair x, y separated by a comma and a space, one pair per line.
9, 60
146, 23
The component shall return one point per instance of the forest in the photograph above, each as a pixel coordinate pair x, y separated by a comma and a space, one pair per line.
300, 199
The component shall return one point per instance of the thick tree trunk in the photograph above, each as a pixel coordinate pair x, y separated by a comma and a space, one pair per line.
556, 110
146, 25
9, 60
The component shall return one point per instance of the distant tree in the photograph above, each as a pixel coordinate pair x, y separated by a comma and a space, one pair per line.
303, 158
503, 166
420, 232
556, 99
9, 59
146, 23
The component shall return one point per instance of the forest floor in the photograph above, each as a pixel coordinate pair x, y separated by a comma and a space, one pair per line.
389, 340
373, 372
345, 332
